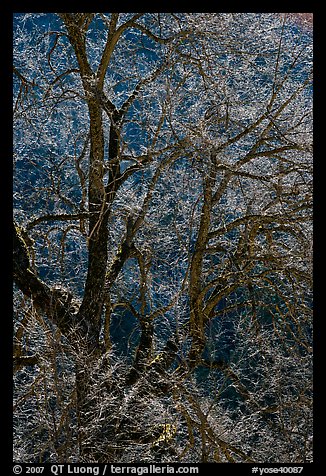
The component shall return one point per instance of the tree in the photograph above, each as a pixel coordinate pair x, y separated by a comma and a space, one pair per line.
162, 237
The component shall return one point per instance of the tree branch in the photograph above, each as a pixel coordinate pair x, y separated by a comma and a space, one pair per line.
47, 300
59, 217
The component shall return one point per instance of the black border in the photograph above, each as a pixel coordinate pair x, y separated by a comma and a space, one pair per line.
6, 12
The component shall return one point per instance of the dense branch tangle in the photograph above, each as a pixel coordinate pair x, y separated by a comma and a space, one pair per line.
163, 207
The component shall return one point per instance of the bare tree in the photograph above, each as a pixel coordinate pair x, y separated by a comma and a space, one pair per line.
162, 237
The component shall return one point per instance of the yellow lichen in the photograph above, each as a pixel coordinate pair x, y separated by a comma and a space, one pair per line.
168, 432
